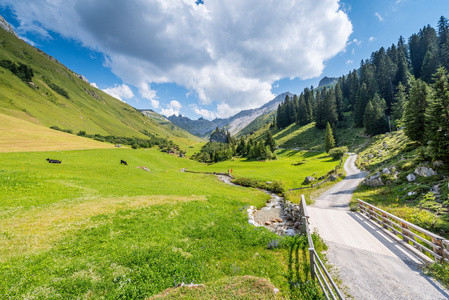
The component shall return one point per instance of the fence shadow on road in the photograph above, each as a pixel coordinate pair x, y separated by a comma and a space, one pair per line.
390, 242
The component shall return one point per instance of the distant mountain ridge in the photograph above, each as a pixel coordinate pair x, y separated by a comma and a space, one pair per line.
234, 124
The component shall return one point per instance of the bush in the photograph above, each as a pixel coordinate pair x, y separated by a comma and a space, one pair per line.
277, 187
337, 153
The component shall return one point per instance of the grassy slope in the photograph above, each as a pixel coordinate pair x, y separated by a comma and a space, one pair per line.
92, 228
308, 137
100, 113
396, 150
20, 135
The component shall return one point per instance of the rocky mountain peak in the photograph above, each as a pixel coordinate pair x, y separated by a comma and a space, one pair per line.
5, 26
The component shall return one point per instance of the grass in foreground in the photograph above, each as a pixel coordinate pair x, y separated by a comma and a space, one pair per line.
92, 228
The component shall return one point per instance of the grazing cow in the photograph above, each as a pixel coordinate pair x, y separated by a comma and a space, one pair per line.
53, 161
123, 162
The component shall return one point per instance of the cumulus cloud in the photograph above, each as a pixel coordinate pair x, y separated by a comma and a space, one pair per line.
371, 39
227, 53
349, 62
172, 108
203, 112
120, 92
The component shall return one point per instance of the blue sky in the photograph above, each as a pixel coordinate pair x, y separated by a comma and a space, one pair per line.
215, 58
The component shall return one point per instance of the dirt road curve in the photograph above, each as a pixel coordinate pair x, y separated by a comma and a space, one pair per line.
371, 263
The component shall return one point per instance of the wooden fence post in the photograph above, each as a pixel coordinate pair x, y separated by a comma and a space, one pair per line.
312, 263
438, 250
384, 221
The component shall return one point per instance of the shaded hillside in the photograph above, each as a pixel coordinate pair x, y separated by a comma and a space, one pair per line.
56, 96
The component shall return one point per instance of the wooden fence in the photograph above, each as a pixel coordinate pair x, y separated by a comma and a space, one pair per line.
317, 269
420, 238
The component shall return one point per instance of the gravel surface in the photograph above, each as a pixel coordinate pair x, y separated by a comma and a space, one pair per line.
371, 263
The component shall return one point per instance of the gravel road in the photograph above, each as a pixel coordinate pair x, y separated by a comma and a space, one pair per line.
371, 263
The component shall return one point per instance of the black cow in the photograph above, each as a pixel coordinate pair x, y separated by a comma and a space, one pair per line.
53, 161
123, 162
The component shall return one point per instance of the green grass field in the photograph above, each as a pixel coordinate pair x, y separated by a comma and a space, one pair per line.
91, 228
291, 167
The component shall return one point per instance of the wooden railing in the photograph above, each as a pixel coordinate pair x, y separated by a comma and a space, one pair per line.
317, 269
431, 243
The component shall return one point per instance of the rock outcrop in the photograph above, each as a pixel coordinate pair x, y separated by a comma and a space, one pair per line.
425, 171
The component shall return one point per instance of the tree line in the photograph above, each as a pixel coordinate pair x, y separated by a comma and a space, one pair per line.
400, 86
248, 148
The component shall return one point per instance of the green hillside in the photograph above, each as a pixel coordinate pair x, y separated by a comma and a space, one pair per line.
56, 96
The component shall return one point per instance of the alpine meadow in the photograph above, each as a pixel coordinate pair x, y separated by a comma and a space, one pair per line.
229, 186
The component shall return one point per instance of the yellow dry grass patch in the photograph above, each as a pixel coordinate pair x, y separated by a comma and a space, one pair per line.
18, 135
35, 230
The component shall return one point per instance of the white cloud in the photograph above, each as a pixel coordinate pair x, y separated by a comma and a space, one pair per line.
349, 62
371, 39
356, 41
203, 112
379, 16
120, 92
226, 52
172, 108
94, 85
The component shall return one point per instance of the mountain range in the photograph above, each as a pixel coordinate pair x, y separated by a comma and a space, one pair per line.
234, 124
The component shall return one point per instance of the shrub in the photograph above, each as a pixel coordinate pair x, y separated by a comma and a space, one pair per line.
277, 187
337, 153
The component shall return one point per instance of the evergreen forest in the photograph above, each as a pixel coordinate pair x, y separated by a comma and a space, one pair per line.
404, 86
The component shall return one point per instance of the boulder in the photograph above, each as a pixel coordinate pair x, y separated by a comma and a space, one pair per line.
290, 232
375, 176
386, 171
435, 189
268, 223
411, 177
332, 178
425, 171
309, 179
438, 164
376, 182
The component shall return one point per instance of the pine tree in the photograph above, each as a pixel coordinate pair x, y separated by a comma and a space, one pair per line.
360, 105
339, 102
320, 120
400, 101
430, 65
438, 117
270, 142
329, 141
415, 110
369, 118
374, 119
